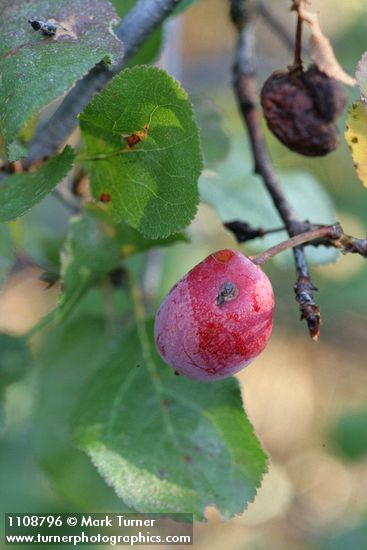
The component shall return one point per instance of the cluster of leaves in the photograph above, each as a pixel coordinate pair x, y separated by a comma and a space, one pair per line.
165, 444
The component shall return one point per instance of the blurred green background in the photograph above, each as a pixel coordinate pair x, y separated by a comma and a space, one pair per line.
307, 401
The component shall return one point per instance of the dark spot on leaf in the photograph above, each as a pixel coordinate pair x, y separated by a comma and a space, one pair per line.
355, 140
105, 197
137, 137
177, 373
187, 459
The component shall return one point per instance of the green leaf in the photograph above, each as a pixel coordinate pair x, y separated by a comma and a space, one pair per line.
350, 434
89, 253
7, 253
356, 136
41, 232
236, 194
16, 150
167, 443
67, 355
36, 68
22, 191
131, 241
93, 248
361, 75
152, 185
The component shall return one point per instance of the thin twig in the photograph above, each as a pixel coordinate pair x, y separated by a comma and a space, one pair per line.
243, 13
352, 245
332, 232
245, 232
133, 31
297, 62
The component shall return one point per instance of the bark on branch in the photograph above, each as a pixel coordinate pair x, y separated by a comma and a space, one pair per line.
243, 14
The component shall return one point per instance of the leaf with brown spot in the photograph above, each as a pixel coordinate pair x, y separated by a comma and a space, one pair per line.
36, 68
151, 179
137, 137
356, 136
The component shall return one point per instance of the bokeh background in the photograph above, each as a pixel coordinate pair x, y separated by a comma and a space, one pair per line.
307, 401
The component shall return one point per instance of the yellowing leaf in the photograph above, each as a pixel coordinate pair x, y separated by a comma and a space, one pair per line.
356, 136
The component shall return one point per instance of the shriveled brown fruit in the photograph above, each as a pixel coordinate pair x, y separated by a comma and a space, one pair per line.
301, 107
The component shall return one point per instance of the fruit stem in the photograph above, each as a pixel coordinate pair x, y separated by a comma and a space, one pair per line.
333, 232
297, 63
